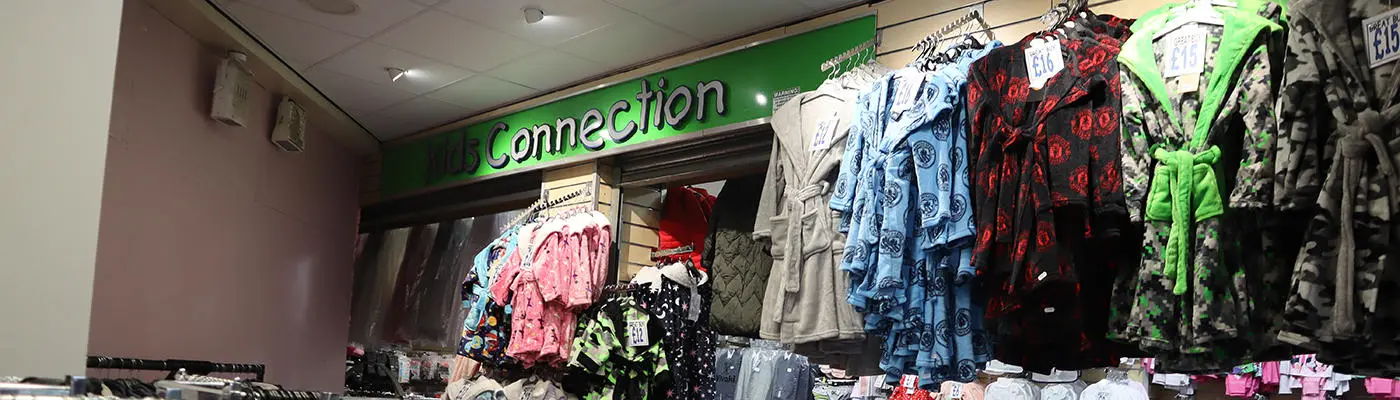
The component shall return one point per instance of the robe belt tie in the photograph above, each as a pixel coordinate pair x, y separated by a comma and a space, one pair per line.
1184, 191
1356, 142
798, 207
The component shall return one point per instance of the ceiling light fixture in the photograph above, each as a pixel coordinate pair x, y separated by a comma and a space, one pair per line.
533, 15
333, 7
396, 73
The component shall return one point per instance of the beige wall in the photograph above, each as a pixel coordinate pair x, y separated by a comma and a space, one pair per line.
55, 99
215, 245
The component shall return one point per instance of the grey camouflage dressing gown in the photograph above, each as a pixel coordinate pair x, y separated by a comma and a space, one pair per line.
1338, 118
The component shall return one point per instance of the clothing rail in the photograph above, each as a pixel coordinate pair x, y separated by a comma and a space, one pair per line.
994, 27
172, 366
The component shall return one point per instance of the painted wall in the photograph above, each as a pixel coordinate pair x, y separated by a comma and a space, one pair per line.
214, 245
54, 105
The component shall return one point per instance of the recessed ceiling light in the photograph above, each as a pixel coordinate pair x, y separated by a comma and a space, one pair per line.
334, 7
533, 15
396, 73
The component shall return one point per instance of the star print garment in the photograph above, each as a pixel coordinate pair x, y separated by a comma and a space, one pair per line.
690, 343
486, 331
1048, 200
1187, 148
1339, 120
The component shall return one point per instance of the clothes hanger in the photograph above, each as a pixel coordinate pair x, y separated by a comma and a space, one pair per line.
1195, 11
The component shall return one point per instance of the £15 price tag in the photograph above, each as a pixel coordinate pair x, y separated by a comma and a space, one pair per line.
637, 333
826, 130
1185, 52
1382, 37
1043, 62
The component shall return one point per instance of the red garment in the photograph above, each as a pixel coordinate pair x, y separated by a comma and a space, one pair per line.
685, 220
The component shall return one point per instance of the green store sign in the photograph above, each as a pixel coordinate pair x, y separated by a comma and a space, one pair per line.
730, 88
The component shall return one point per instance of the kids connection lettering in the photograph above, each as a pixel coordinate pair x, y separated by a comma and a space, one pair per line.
460, 154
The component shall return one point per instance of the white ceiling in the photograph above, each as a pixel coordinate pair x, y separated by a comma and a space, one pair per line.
469, 56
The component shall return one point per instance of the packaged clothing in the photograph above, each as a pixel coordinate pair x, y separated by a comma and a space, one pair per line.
611, 362
533, 388
728, 365
680, 303
804, 300
1336, 168
479, 389
1013, 389
792, 379
951, 390
737, 264
756, 375
1241, 385
1063, 391
1046, 163
685, 216
1115, 389
1188, 302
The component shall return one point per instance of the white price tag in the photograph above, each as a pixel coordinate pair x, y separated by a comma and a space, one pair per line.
637, 333
694, 311
1185, 52
1382, 37
906, 90
909, 383
826, 130
1043, 62
956, 393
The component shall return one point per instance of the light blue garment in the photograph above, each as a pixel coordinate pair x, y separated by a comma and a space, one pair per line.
909, 226
860, 253
948, 230
475, 297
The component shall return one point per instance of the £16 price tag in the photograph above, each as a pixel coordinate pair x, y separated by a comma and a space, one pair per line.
1043, 62
1382, 37
1185, 52
907, 87
637, 333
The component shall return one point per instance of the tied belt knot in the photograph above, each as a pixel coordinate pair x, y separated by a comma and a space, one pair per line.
1184, 191
1013, 138
1357, 141
797, 208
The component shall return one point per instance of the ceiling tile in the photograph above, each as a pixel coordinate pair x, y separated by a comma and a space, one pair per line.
564, 19
354, 93
722, 19
481, 92
385, 127
294, 41
547, 69
639, 6
374, 15
620, 45
456, 41
370, 61
827, 5
425, 112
